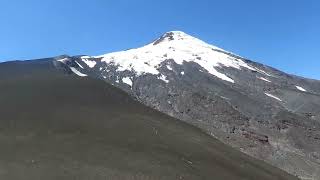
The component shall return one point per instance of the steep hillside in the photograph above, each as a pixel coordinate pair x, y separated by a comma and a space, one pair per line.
58, 126
257, 109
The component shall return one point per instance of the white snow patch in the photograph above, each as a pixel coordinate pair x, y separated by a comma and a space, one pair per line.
182, 48
79, 64
164, 78
169, 67
90, 63
63, 60
262, 72
225, 98
127, 80
264, 79
272, 96
182, 73
77, 72
301, 88
220, 75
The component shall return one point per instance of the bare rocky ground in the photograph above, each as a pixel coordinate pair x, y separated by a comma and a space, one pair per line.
58, 126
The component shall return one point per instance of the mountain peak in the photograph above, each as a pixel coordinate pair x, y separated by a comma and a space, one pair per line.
176, 34
173, 35
243, 103
176, 46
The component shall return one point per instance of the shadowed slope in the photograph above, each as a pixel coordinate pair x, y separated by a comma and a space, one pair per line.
56, 126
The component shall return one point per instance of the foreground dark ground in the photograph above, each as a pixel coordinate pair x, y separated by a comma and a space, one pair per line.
57, 126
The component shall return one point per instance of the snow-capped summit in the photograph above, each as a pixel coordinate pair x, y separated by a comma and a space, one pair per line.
177, 46
182, 37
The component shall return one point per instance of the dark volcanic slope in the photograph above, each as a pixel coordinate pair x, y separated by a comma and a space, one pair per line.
56, 126
259, 110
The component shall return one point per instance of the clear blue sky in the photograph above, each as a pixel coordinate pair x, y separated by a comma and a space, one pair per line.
282, 33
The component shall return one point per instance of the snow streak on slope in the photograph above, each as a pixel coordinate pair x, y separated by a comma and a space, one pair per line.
77, 72
176, 46
79, 65
301, 88
272, 96
264, 79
